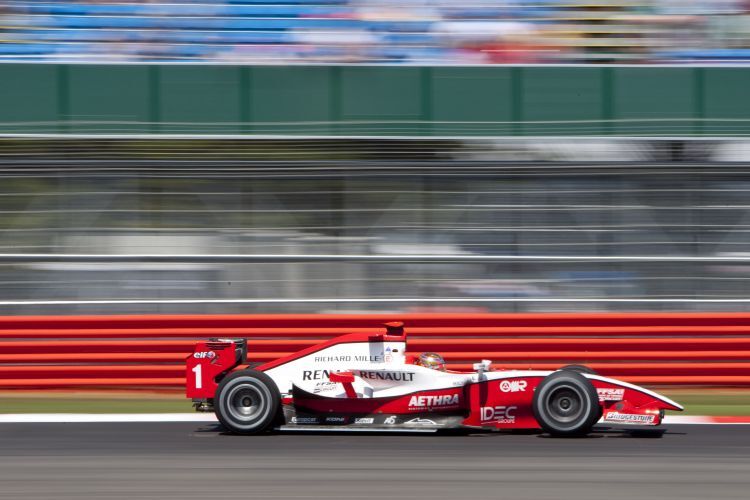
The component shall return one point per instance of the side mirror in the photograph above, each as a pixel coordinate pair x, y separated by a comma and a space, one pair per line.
483, 366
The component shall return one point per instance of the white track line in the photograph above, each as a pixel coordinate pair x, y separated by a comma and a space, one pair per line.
33, 418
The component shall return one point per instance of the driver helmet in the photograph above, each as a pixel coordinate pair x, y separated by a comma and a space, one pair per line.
432, 360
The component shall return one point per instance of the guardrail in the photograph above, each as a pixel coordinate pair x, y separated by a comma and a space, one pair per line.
132, 100
141, 352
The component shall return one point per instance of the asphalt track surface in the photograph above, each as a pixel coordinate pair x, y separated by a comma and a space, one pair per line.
193, 460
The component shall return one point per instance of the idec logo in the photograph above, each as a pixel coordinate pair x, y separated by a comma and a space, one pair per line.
513, 385
499, 414
204, 355
443, 401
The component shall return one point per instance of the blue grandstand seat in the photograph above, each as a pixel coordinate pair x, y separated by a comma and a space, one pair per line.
27, 48
77, 26
707, 54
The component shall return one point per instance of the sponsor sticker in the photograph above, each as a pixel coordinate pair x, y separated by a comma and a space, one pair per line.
629, 418
367, 358
513, 385
498, 414
390, 420
335, 420
315, 374
388, 355
325, 387
364, 420
608, 394
204, 355
393, 376
305, 420
439, 401
368, 375
421, 421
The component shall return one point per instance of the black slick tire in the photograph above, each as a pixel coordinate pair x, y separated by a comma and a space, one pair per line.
580, 369
566, 404
590, 371
247, 402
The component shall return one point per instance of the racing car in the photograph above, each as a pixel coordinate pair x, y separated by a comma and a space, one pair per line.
370, 381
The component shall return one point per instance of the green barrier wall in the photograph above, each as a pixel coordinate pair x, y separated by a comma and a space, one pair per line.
370, 101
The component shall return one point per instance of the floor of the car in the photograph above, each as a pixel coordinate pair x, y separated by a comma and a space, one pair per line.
346, 428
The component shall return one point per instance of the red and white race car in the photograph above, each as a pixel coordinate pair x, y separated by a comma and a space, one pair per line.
366, 381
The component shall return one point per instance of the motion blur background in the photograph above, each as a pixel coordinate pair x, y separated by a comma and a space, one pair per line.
404, 31
371, 156
346, 156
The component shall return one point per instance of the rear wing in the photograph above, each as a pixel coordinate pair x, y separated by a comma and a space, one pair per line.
210, 361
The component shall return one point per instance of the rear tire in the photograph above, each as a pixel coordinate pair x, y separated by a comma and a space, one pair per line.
566, 404
247, 402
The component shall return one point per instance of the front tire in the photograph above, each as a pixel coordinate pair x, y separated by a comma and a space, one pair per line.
580, 369
247, 402
566, 404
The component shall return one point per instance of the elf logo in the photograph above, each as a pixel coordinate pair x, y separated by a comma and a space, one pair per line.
204, 355
498, 414
513, 385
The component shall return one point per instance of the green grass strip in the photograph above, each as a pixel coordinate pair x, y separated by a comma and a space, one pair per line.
93, 405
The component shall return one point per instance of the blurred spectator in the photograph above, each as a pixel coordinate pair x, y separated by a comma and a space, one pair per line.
361, 31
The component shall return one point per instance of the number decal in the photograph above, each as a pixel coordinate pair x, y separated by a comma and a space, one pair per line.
198, 379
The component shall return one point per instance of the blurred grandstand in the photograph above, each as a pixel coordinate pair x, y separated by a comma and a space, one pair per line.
378, 31
133, 226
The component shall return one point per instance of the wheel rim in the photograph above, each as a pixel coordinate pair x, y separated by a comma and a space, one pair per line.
565, 404
245, 402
